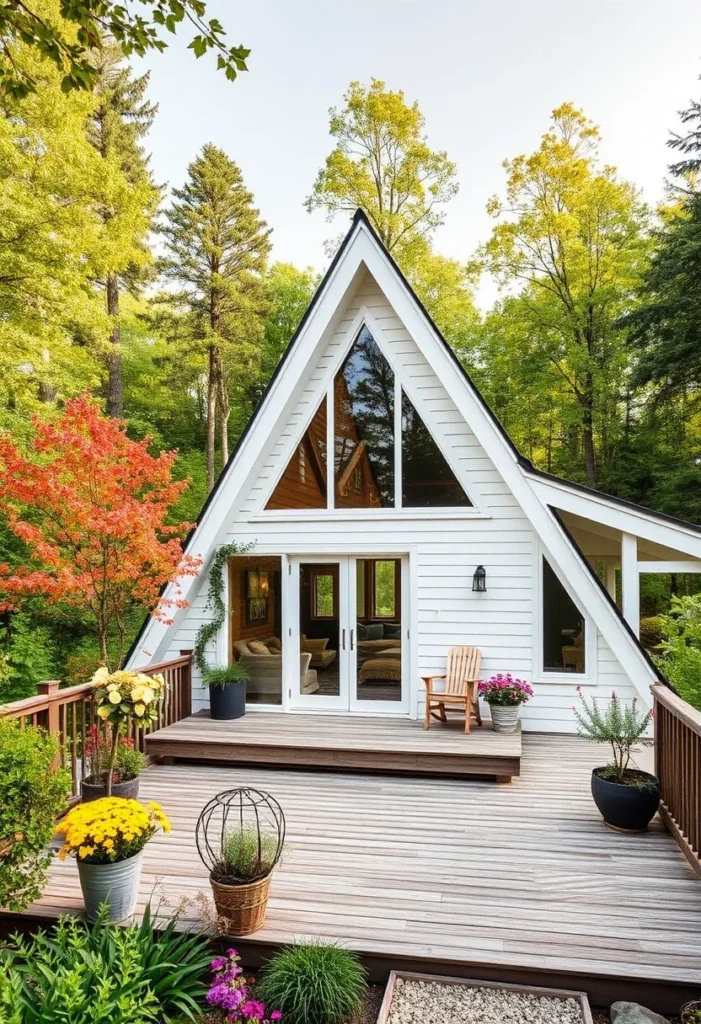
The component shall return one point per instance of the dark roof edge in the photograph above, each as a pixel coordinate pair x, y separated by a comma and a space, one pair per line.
593, 492
659, 674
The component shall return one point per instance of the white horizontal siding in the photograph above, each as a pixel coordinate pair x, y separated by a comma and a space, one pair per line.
445, 551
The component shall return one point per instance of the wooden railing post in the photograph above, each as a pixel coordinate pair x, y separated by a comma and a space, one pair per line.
49, 688
187, 685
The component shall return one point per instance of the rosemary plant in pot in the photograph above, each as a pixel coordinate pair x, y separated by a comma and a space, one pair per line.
505, 695
626, 796
107, 838
227, 683
240, 836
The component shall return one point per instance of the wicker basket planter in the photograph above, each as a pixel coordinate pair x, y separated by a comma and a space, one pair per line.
242, 907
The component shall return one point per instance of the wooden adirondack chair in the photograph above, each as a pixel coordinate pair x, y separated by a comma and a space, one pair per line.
460, 694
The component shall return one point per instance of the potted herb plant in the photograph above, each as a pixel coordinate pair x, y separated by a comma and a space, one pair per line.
128, 765
505, 695
227, 691
626, 796
125, 695
690, 1013
107, 838
240, 836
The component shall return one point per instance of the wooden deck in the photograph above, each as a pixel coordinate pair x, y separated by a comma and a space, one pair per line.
342, 742
521, 883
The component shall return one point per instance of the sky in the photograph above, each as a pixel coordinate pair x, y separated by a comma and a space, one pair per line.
486, 76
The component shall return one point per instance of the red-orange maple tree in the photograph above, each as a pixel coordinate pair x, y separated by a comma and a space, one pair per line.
91, 505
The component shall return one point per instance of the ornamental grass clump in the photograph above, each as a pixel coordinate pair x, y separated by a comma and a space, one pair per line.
230, 992
314, 983
109, 830
503, 690
620, 723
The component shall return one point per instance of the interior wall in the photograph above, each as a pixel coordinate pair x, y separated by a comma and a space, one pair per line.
240, 629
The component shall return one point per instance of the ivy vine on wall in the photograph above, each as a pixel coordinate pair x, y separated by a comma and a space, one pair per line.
215, 601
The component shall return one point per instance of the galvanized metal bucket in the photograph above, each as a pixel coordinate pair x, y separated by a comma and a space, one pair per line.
117, 885
504, 719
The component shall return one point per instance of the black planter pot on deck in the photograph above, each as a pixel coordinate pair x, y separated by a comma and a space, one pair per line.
128, 790
227, 702
626, 808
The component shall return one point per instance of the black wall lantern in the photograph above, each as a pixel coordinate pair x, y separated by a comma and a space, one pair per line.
479, 580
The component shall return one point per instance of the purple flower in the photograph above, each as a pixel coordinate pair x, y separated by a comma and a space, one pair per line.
276, 1015
503, 689
218, 963
253, 1010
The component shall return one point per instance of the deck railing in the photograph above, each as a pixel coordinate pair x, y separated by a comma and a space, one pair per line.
678, 767
70, 713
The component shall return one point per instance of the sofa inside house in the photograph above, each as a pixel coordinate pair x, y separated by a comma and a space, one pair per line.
263, 660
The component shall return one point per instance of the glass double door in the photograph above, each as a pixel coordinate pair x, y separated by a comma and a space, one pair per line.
349, 620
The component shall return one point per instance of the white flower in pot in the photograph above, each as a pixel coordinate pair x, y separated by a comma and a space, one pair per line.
505, 695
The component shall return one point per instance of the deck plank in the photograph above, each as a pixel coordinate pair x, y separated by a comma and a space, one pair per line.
342, 741
520, 877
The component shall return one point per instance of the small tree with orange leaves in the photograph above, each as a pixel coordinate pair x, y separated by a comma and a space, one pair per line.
91, 507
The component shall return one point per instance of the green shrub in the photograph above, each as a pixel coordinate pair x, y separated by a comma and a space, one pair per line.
103, 974
26, 657
247, 854
313, 983
651, 632
32, 793
681, 647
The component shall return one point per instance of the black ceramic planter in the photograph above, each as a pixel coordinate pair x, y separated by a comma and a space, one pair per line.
94, 790
227, 702
626, 808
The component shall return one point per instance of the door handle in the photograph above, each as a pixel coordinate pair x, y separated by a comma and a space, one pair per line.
351, 640
343, 639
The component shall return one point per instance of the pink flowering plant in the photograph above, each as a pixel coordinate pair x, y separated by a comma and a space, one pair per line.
230, 992
505, 690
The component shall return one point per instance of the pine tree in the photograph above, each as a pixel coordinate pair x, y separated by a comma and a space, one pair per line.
121, 118
217, 250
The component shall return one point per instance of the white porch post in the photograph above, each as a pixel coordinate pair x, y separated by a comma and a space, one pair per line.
610, 567
630, 581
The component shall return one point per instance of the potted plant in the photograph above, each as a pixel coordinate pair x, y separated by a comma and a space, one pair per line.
125, 695
505, 695
240, 836
107, 838
227, 691
129, 763
690, 1013
627, 797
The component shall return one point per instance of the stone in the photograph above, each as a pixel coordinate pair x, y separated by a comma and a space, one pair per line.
634, 1013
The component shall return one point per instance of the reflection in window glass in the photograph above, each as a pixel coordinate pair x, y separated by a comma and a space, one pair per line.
384, 584
427, 479
303, 484
323, 596
563, 627
364, 428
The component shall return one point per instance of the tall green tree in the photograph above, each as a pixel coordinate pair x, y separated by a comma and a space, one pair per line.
290, 291
572, 239
383, 164
217, 251
121, 117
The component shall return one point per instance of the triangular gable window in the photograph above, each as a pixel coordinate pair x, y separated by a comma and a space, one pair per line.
427, 479
364, 427
303, 484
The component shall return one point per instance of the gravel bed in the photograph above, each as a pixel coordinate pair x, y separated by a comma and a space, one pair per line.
421, 1002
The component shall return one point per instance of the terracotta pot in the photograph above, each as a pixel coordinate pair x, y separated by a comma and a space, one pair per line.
128, 790
626, 808
243, 907
117, 885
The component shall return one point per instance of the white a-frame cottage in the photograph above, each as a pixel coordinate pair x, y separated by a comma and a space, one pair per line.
389, 518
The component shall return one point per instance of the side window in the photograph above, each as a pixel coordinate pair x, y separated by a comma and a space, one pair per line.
564, 628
